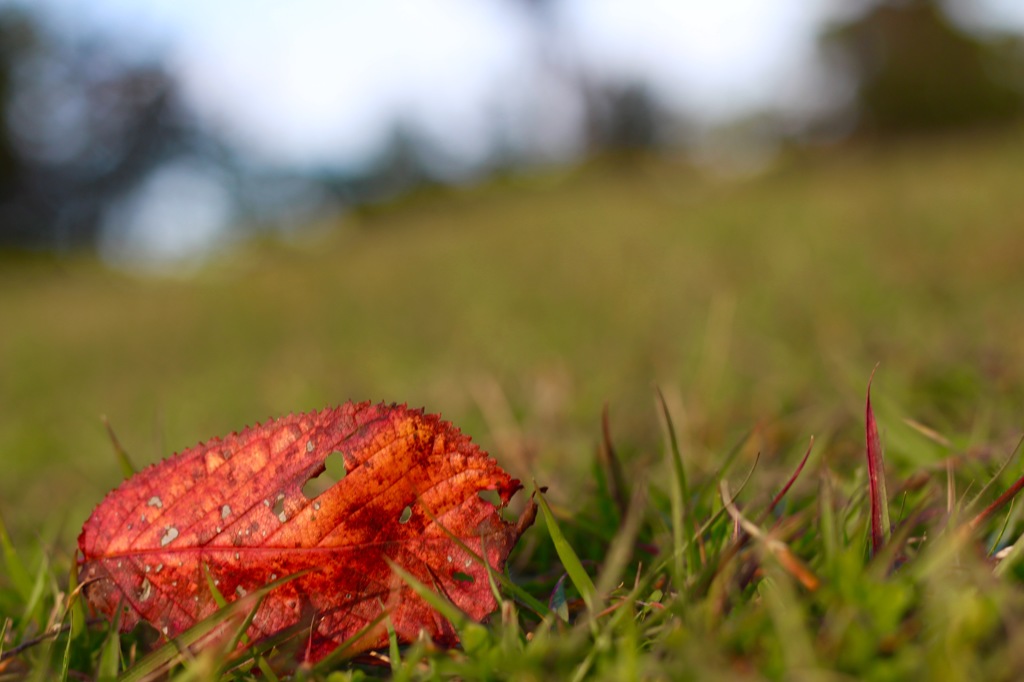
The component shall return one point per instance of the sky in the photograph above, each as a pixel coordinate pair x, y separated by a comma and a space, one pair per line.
321, 83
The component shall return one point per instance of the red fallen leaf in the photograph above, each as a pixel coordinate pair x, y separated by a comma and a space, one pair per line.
235, 505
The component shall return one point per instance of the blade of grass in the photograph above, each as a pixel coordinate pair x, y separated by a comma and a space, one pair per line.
4, 625
876, 478
950, 489
266, 670
712, 569
789, 562
995, 477
218, 598
156, 664
827, 527
16, 570
75, 603
566, 554
243, 627
394, 654
684, 546
621, 549
243, 658
1002, 529
928, 432
786, 612
523, 597
127, 468
525, 521
332, 659
702, 486
109, 664
453, 614
789, 483
584, 667
211, 628
1010, 560
985, 513
610, 460
75, 612
35, 607
450, 611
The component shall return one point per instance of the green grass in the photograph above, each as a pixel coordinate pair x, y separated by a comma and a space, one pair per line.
517, 310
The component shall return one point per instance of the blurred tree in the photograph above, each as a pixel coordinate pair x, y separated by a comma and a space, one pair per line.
17, 36
625, 119
399, 168
917, 70
83, 128
623, 116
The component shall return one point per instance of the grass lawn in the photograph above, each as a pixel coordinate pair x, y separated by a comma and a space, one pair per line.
518, 310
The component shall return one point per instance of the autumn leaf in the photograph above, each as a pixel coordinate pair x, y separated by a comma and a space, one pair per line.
235, 508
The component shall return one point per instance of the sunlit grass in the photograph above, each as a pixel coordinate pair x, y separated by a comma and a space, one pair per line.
518, 310
796, 595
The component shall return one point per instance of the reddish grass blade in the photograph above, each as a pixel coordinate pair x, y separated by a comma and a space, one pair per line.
988, 511
876, 479
777, 548
789, 484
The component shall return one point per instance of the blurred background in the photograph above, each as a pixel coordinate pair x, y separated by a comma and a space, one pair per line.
156, 131
510, 211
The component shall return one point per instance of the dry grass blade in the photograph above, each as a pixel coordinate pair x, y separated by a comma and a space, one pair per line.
928, 432
743, 537
778, 549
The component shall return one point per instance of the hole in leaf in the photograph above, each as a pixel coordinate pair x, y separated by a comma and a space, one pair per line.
334, 472
491, 496
463, 577
278, 507
406, 515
